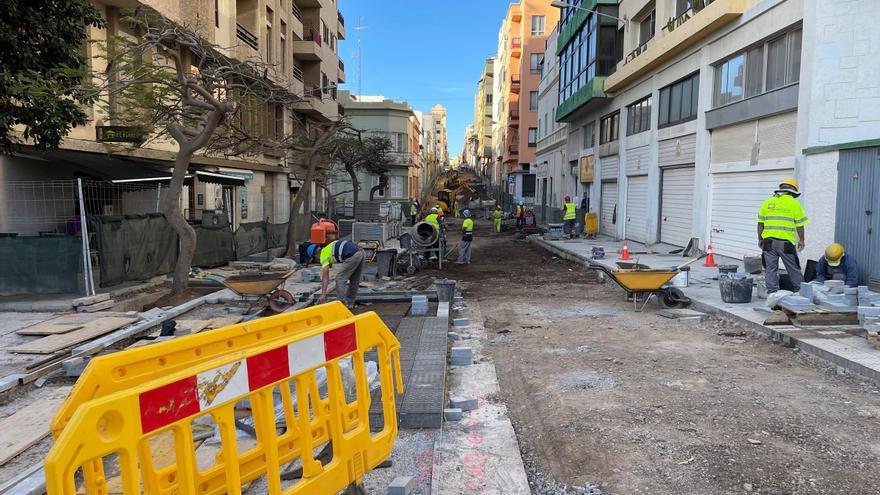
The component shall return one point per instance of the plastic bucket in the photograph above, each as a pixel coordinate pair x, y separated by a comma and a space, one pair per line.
736, 290
386, 259
727, 270
405, 241
445, 290
682, 279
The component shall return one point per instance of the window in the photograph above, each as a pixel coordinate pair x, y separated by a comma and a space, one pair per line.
399, 139
647, 27
284, 47
682, 6
678, 101
535, 62
538, 23
533, 101
326, 31
395, 186
216, 13
269, 39
533, 137
593, 51
609, 128
489, 99
325, 83
589, 135
763, 68
638, 116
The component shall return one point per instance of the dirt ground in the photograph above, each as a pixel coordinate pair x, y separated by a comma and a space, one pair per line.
637, 403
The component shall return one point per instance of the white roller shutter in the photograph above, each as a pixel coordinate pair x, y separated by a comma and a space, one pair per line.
677, 206
736, 200
609, 201
637, 208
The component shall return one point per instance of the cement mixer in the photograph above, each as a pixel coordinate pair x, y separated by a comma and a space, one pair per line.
428, 245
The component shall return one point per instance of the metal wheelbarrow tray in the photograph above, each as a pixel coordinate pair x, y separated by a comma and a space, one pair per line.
646, 283
262, 285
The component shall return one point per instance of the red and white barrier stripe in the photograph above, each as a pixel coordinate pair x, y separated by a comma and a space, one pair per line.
190, 396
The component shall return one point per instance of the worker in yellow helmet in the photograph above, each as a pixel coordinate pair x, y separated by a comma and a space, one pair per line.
497, 215
836, 265
781, 222
569, 215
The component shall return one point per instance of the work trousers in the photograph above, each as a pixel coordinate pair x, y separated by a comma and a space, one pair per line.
568, 227
519, 222
464, 252
497, 224
775, 250
349, 277
412, 219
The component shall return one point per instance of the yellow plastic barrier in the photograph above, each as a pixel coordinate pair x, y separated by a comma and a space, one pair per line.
127, 424
591, 224
123, 370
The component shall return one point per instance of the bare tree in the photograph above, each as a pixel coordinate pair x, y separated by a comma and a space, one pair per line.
174, 84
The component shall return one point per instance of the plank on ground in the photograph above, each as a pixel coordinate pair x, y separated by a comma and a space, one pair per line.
224, 321
46, 328
90, 330
28, 425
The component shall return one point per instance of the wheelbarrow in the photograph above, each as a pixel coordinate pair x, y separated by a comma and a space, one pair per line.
646, 284
262, 286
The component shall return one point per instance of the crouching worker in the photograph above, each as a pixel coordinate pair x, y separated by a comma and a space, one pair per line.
836, 265
351, 260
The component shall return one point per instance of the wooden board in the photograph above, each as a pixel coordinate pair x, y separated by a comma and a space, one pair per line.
195, 326
28, 425
90, 330
224, 321
47, 328
824, 318
777, 318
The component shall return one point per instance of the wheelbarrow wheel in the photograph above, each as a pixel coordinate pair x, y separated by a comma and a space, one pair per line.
673, 298
280, 300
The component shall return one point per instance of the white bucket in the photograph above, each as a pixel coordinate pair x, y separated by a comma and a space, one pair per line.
681, 280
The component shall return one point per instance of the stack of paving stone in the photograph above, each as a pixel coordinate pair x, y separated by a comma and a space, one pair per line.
869, 314
419, 306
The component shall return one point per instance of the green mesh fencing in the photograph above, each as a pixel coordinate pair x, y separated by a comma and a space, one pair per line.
40, 265
134, 247
215, 246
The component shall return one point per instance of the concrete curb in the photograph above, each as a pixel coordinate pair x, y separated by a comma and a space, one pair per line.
788, 337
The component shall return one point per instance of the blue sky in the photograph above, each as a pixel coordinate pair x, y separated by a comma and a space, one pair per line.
423, 52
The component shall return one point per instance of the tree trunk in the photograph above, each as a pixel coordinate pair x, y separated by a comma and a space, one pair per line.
185, 233
356, 187
305, 191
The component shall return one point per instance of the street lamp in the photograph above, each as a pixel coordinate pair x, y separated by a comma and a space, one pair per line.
559, 4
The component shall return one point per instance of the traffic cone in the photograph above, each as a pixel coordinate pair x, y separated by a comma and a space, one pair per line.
710, 258
624, 255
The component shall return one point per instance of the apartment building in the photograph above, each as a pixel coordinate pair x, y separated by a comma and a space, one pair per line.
396, 121
555, 176
469, 150
441, 140
521, 44
300, 38
483, 117
692, 111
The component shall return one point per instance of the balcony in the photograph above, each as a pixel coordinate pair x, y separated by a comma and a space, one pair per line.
341, 76
513, 114
516, 47
309, 48
246, 37
516, 15
592, 91
340, 26
297, 11
514, 83
675, 36
317, 104
298, 73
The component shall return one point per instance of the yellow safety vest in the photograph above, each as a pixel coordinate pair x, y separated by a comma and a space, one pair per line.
468, 225
570, 213
413, 211
498, 214
433, 220
781, 216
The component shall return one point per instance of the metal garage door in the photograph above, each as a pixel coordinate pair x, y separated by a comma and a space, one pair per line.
677, 205
858, 210
637, 208
736, 200
608, 214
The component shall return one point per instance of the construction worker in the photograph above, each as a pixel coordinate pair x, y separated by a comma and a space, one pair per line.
781, 224
496, 217
569, 216
467, 235
836, 265
520, 214
413, 211
350, 257
434, 217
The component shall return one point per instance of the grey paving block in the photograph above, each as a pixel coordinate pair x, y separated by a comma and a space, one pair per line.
402, 485
807, 291
452, 414
683, 315
461, 322
461, 356
462, 402
851, 291
453, 336
868, 311
834, 283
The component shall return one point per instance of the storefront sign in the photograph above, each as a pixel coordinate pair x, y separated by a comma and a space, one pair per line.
118, 134
588, 168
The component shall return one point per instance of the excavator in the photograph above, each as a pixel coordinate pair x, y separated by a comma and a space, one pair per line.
448, 196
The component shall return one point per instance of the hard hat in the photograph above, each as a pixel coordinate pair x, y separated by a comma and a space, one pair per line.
435, 209
834, 253
466, 213
789, 186
311, 250
568, 198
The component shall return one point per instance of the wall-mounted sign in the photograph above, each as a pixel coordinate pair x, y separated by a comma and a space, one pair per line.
588, 168
118, 134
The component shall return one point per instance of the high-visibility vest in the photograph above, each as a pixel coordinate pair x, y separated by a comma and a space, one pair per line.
433, 220
468, 226
570, 213
334, 253
498, 214
781, 216
519, 210
413, 211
